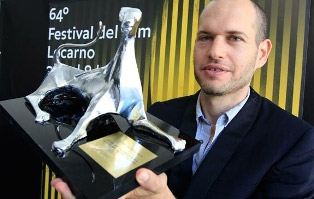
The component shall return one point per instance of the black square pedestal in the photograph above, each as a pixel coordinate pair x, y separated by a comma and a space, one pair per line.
87, 178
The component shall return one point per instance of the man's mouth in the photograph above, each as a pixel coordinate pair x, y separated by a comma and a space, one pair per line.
214, 70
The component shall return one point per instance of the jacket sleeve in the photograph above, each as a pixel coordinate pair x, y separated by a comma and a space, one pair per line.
293, 175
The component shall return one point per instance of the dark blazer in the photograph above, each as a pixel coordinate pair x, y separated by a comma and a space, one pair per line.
264, 152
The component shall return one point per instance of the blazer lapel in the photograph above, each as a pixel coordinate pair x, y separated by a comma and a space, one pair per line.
188, 123
223, 148
180, 175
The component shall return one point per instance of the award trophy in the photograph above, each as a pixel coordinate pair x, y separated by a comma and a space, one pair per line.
94, 131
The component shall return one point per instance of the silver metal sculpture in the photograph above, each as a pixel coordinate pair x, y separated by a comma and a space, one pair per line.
114, 88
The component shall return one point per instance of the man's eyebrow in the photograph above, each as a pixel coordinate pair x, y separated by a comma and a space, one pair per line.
234, 32
231, 32
203, 32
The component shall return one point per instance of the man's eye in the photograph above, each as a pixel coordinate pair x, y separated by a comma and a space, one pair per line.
204, 38
235, 38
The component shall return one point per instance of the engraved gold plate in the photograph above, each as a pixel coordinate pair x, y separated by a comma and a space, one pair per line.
117, 153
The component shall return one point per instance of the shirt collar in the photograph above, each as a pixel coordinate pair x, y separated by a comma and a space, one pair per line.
226, 117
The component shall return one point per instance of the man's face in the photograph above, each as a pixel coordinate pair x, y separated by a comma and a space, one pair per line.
225, 51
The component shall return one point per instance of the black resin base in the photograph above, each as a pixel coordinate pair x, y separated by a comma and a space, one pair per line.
84, 175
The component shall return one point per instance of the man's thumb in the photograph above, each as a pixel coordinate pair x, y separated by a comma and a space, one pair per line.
150, 181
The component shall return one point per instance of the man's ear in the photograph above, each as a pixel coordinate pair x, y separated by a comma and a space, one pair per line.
264, 49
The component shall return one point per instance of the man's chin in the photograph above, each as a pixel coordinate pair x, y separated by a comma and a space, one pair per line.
213, 92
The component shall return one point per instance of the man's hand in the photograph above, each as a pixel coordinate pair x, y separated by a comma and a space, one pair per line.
151, 186
62, 188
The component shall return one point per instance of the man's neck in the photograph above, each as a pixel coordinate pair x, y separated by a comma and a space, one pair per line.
215, 106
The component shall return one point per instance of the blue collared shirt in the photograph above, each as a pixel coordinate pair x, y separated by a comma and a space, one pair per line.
204, 127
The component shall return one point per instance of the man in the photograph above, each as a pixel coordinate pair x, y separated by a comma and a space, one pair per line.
251, 148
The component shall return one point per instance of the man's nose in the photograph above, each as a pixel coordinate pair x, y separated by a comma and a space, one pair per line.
217, 49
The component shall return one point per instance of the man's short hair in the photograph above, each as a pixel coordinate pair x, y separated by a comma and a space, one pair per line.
262, 22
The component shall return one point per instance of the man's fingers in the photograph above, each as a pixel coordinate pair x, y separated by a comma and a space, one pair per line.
150, 181
151, 186
62, 188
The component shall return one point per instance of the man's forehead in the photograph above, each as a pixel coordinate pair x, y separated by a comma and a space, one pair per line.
239, 5
229, 16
